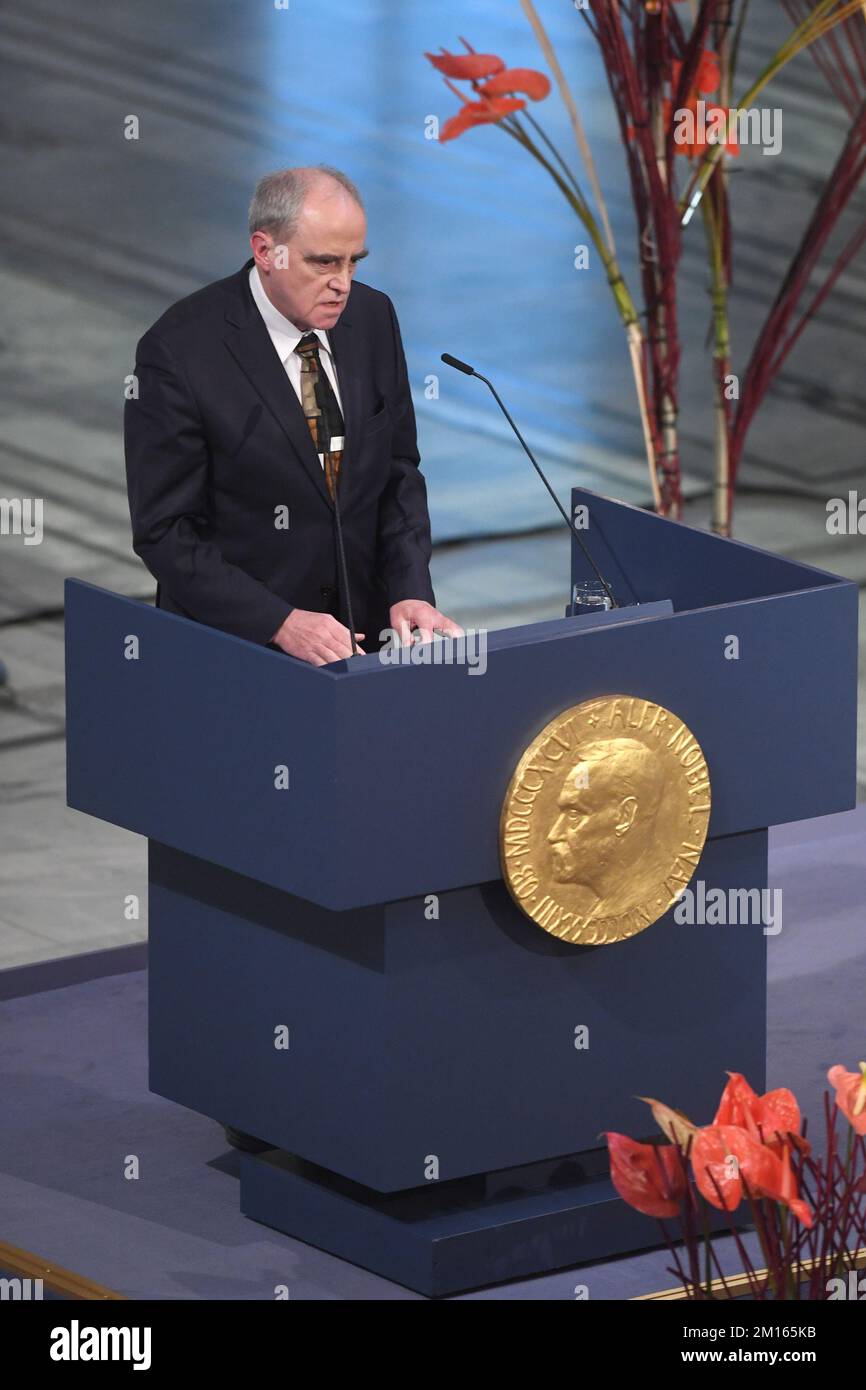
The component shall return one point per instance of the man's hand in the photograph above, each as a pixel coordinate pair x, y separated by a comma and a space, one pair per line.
412, 613
314, 637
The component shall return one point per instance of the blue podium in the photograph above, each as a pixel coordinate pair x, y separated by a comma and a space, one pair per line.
335, 963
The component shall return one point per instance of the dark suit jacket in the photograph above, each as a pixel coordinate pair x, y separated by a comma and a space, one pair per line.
217, 442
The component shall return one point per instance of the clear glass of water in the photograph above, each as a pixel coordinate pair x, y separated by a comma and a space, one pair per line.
588, 597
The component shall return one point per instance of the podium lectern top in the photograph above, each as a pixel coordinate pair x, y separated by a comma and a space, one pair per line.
396, 772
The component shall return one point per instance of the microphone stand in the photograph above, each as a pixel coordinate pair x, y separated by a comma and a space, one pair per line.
470, 371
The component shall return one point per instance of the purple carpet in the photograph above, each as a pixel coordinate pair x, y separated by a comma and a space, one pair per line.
76, 1111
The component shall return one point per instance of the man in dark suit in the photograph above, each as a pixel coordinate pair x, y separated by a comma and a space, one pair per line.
258, 398
261, 401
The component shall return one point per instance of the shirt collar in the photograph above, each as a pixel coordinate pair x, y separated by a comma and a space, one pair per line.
285, 335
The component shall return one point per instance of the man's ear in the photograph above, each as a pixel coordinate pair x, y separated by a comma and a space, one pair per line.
627, 813
261, 245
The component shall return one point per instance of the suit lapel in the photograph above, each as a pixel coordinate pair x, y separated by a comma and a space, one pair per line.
248, 341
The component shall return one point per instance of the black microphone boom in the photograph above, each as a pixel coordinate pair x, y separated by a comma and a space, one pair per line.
470, 371
344, 573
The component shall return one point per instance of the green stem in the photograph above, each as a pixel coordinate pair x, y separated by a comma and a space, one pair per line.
625, 303
541, 132
622, 298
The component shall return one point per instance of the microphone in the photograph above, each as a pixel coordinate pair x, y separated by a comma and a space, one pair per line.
344, 573
332, 484
470, 371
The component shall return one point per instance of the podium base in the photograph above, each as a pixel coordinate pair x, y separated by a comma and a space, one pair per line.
452, 1236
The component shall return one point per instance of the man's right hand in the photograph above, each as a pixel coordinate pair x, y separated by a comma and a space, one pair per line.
314, 637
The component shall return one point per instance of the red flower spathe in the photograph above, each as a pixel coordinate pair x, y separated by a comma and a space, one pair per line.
531, 83
650, 1177
726, 1160
707, 77
773, 1119
475, 113
470, 66
492, 83
850, 1088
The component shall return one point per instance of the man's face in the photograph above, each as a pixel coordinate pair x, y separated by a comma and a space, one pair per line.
309, 281
580, 838
570, 827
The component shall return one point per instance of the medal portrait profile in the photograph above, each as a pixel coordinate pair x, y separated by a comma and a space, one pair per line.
605, 819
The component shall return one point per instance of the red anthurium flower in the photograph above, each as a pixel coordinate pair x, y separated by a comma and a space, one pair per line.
788, 1191
778, 1116
703, 119
709, 73
773, 1119
472, 66
533, 84
707, 79
722, 1155
738, 1100
725, 1156
649, 1177
475, 113
707, 76
850, 1087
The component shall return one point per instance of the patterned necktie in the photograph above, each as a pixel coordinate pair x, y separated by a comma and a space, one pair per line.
321, 408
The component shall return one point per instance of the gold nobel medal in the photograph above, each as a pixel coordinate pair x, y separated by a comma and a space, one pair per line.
605, 819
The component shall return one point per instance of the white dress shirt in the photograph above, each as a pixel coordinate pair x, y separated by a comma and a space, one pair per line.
285, 337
